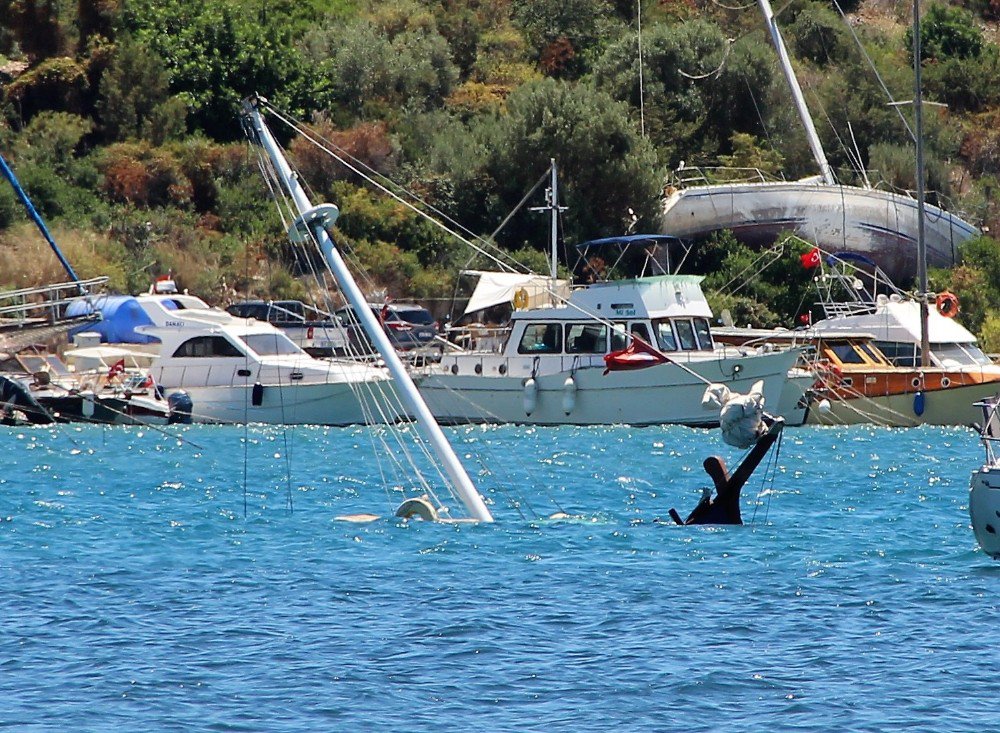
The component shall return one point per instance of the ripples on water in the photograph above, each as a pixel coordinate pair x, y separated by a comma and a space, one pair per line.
136, 595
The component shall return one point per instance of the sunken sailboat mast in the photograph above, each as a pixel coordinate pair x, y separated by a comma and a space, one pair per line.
799, 99
312, 223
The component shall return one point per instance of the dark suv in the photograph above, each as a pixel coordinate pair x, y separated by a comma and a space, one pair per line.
315, 331
408, 326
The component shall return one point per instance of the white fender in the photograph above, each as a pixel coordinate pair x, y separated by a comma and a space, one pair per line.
530, 395
87, 406
569, 395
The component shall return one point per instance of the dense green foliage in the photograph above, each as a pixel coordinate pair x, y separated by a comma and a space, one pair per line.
121, 119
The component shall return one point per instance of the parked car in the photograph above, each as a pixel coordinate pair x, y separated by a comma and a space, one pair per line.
315, 331
408, 326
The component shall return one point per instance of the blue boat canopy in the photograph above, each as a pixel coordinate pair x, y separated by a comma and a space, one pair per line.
628, 240
120, 316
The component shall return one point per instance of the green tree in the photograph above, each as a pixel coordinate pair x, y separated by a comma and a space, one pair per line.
698, 89
566, 34
216, 54
946, 32
605, 167
134, 100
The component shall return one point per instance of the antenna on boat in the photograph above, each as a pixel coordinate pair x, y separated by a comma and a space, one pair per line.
39, 222
793, 85
918, 132
554, 209
312, 222
642, 106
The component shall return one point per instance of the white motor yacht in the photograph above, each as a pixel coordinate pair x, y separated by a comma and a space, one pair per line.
562, 364
236, 370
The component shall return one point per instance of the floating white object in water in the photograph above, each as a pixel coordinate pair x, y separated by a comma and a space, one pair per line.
740, 415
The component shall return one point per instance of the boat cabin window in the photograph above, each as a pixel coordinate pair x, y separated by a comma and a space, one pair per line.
541, 338
900, 353
685, 334
846, 353
872, 353
665, 335
586, 338
207, 346
704, 332
640, 331
950, 355
271, 344
619, 336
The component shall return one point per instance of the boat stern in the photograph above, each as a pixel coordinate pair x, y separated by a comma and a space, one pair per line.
984, 509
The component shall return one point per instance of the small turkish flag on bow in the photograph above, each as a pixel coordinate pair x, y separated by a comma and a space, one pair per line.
811, 258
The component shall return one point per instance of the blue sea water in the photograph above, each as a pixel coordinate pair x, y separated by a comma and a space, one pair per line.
136, 593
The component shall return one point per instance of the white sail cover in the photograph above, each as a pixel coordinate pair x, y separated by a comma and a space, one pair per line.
495, 288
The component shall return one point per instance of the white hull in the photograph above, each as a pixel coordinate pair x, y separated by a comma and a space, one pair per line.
952, 406
663, 394
984, 509
880, 224
335, 403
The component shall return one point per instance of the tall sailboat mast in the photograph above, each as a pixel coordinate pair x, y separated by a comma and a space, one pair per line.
797, 97
918, 131
313, 222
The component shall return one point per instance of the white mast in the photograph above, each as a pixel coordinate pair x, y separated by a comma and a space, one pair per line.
312, 221
554, 209
793, 84
554, 212
918, 131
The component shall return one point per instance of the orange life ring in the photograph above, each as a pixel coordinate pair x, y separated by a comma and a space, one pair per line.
947, 304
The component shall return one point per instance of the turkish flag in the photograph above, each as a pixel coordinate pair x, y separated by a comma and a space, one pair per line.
811, 258
637, 355
117, 368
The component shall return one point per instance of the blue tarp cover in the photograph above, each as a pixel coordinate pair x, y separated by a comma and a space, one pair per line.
121, 315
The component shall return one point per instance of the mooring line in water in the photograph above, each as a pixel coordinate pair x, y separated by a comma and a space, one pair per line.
768, 478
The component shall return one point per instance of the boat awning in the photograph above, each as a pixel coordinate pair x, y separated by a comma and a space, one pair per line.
627, 240
496, 288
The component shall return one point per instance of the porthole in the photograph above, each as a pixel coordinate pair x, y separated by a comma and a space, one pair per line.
945, 382
915, 382
454, 368
479, 368
502, 369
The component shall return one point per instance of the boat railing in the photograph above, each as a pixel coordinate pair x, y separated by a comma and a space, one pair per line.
45, 303
989, 430
479, 337
833, 309
705, 176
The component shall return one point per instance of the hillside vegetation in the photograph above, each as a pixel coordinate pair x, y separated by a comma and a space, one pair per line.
121, 120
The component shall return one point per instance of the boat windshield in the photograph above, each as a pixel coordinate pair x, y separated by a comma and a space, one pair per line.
665, 335
271, 344
951, 355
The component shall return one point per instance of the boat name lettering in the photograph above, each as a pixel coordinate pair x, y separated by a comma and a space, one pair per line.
623, 309
174, 324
